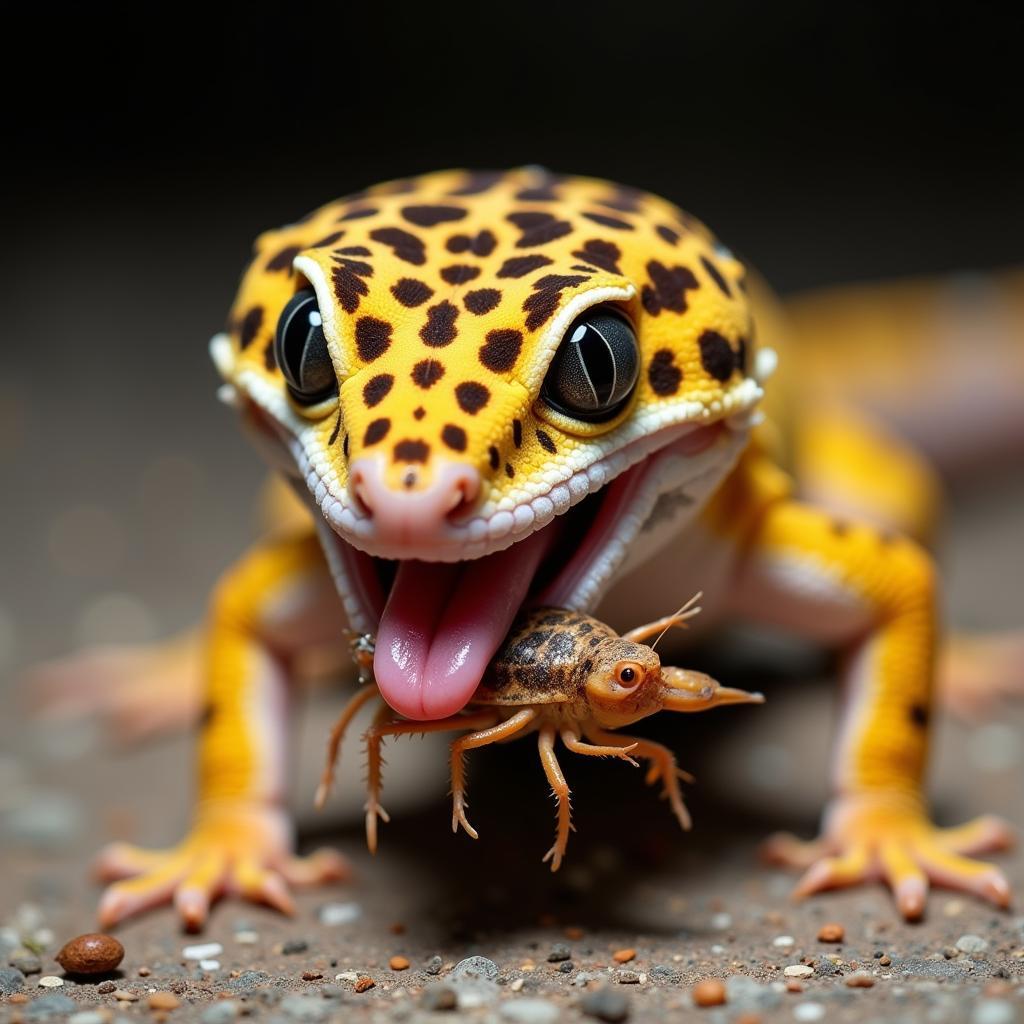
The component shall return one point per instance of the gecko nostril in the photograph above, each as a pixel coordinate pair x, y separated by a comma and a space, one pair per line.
465, 488
409, 480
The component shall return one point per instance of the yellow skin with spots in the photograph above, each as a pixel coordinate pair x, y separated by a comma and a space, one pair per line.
479, 277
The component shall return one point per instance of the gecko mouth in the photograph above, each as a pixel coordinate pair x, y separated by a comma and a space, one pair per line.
438, 624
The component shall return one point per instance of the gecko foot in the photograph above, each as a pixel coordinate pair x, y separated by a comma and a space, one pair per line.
889, 837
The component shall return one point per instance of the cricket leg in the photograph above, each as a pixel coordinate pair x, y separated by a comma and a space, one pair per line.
560, 788
351, 709
493, 734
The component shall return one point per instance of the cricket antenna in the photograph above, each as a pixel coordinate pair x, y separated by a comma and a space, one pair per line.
686, 611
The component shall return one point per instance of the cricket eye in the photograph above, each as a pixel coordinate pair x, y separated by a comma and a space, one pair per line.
629, 675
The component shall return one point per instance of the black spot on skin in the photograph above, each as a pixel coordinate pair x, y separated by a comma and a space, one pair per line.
605, 255
538, 228
545, 442
517, 433
716, 275
270, 357
471, 396
663, 375
209, 713
520, 266
919, 715
376, 389
494, 457
626, 200
840, 528
376, 431
406, 247
667, 289
283, 260
410, 292
743, 355
336, 431
716, 355
481, 244
373, 338
412, 451
358, 213
250, 326
429, 216
509, 471
477, 182
594, 641
609, 222
454, 437
540, 194
481, 301
426, 373
419, 412
541, 306
459, 274
500, 350
669, 234
344, 446
584, 628
333, 237
584, 268
347, 279
440, 329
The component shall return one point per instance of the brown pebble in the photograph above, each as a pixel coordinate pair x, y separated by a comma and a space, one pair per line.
708, 993
144, 972
623, 956
747, 1018
105, 988
831, 932
792, 985
124, 996
573, 932
17, 998
364, 983
163, 1001
312, 975
398, 963
397, 928
91, 954
885, 961
859, 981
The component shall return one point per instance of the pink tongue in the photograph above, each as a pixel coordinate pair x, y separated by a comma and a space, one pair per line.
443, 623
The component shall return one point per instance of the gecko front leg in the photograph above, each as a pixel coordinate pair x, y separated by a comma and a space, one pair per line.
277, 600
871, 593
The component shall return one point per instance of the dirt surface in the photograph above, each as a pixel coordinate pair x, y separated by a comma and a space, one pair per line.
692, 907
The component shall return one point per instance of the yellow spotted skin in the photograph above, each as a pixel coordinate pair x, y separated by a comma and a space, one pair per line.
444, 299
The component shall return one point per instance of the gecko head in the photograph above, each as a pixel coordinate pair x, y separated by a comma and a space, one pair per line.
485, 383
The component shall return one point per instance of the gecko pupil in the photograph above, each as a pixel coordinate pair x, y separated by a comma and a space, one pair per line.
596, 367
301, 350
627, 675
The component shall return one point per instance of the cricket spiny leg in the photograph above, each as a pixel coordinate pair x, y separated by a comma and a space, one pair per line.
552, 769
494, 734
349, 712
663, 766
643, 633
577, 746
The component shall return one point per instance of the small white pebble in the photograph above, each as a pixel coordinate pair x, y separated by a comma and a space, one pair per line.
203, 951
347, 976
953, 908
340, 913
209, 965
721, 921
50, 981
994, 1011
247, 938
643, 978
798, 971
808, 1011
717, 949
783, 941
517, 984
971, 944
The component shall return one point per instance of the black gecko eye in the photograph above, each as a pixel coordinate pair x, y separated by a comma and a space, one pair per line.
595, 368
301, 351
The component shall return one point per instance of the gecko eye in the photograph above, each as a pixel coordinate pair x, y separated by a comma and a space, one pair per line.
301, 350
595, 368
629, 674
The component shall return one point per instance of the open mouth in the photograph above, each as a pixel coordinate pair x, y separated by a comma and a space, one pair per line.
438, 624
